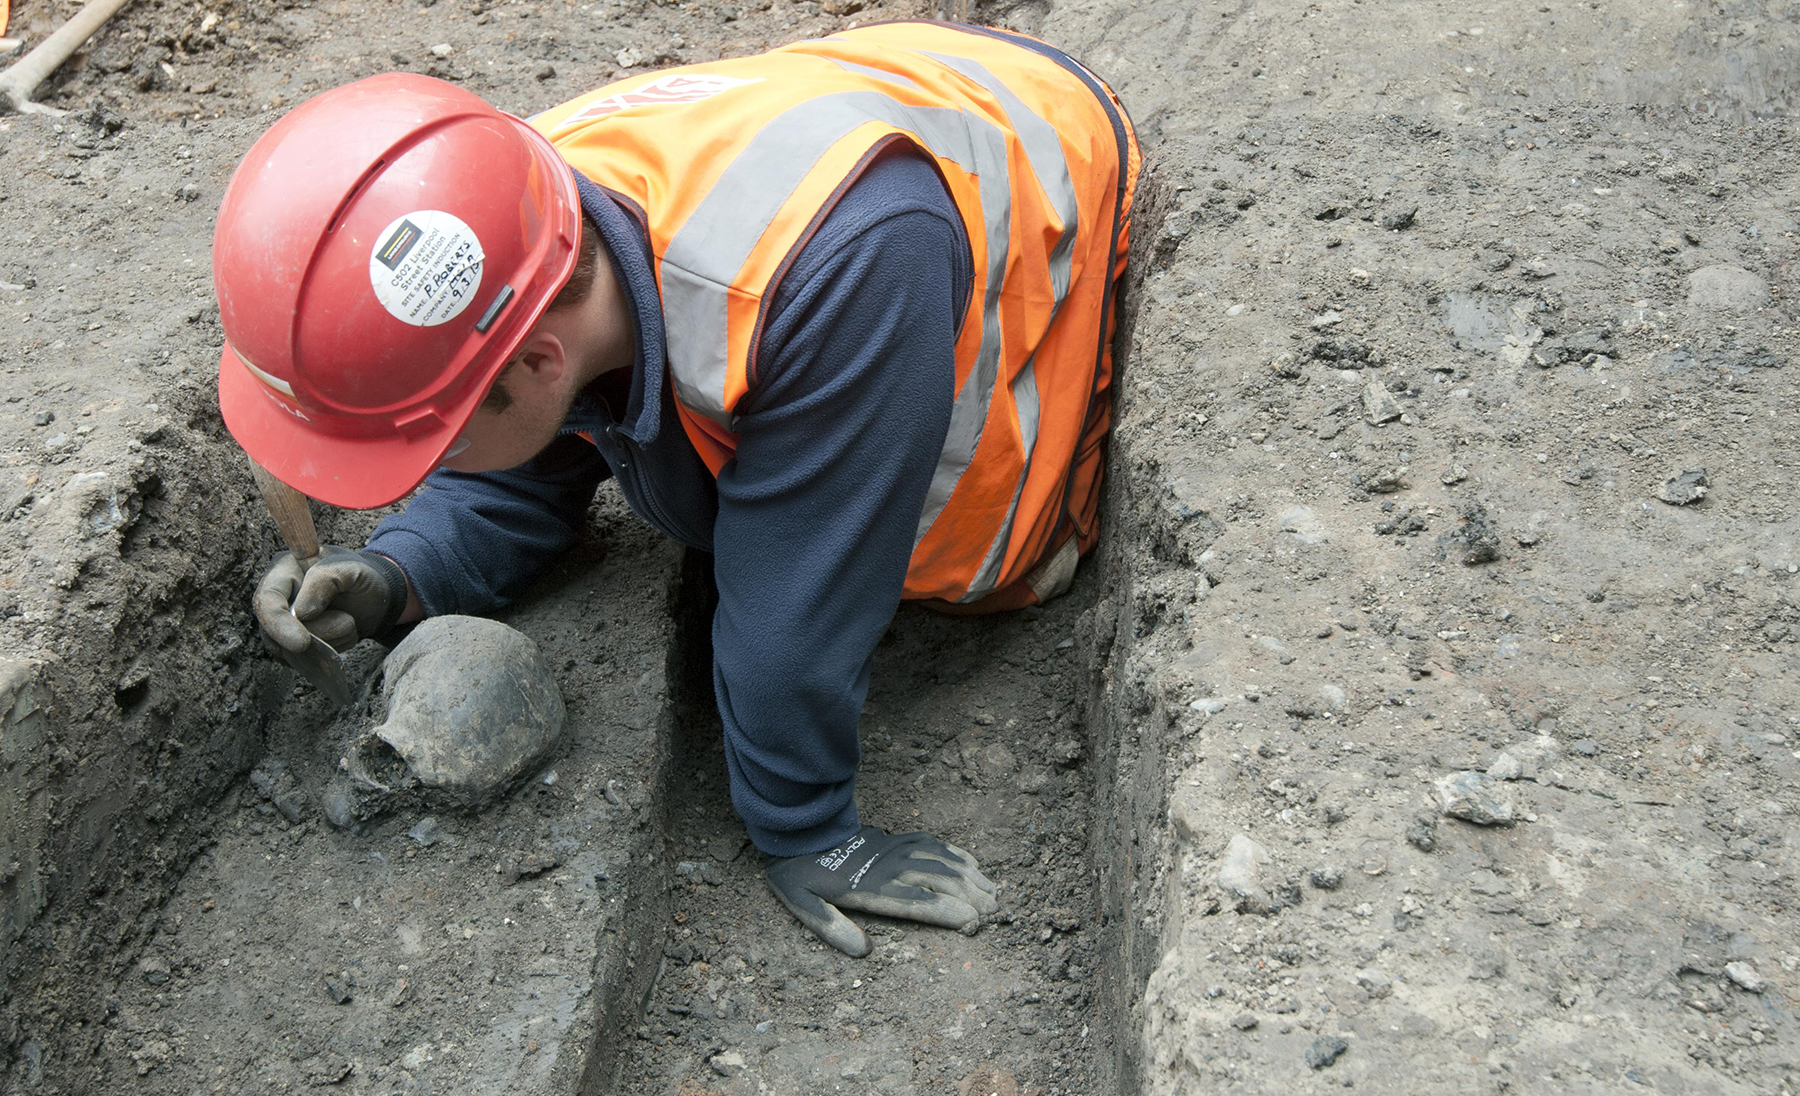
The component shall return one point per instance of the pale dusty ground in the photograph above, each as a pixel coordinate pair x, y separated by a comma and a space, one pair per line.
1592, 297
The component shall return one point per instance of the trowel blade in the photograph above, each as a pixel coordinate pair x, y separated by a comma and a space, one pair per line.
320, 665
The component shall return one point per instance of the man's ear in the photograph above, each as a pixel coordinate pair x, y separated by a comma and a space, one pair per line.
540, 361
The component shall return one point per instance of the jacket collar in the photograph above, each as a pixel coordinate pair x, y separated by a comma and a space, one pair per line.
625, 243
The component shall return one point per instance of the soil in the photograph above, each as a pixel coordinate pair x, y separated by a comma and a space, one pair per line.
973, 732
1456, 420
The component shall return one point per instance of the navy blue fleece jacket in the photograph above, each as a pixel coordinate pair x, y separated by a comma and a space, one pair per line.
811, 525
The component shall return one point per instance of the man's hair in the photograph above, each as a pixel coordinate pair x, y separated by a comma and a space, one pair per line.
587, 263
572, 293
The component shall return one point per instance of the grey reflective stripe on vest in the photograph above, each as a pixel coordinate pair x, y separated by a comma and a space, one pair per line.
868, 70
1044, 149
715, 242
1025, 400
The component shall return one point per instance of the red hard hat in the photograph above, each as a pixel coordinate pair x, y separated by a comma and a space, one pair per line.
380, 253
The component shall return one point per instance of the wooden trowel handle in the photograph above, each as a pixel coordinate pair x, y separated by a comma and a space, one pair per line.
293, 516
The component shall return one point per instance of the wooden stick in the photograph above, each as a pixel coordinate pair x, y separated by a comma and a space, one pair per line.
292, 512
18, 82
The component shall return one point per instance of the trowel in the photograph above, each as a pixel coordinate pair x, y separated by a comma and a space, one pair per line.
319, 663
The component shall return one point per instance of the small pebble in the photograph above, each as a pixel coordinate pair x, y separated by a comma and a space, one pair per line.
727, 1063
155, 969
1327, 878
1684, 488
1746, 977
442, 50
1325, 1051
1400, 218
1475, 797
426, 831
1245, 1021
1422, 833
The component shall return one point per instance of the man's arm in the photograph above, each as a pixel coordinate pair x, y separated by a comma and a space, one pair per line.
471, 542
819, 509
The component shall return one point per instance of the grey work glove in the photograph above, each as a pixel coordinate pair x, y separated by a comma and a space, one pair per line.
912, 876
346, 597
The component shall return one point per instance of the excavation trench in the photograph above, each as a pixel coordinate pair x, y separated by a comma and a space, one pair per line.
607, 927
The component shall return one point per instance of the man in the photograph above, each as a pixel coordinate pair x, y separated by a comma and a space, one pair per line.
838, 314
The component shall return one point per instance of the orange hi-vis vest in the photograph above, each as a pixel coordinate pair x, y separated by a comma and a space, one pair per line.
732, 165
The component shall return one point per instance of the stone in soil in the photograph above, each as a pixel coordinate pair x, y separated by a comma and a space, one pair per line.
1528, 760
1241, 875
1378, 406
1684, 488
1325, 1051
1475, 797
1397, 219
1476, 541
1746, 977
1421, 834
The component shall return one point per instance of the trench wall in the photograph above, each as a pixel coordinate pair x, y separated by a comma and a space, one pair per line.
132, 696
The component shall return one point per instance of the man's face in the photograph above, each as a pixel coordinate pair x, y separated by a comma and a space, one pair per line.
498, 440
567, 349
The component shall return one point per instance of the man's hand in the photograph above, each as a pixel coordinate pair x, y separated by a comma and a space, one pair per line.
912, 876
344, 598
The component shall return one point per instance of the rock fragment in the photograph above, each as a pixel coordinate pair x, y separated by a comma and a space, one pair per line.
1328, 877
1378, 405
1385, 481
1684, 488
1421, 834
726, 1063
1746, 977
1528, 760
1397, 219
1345, 353
1477, 540
1475, 797
155, 969
1245, 1021
1325, 1051
1241, 876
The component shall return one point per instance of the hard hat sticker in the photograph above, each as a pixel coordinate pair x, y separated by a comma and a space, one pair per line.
426, 267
